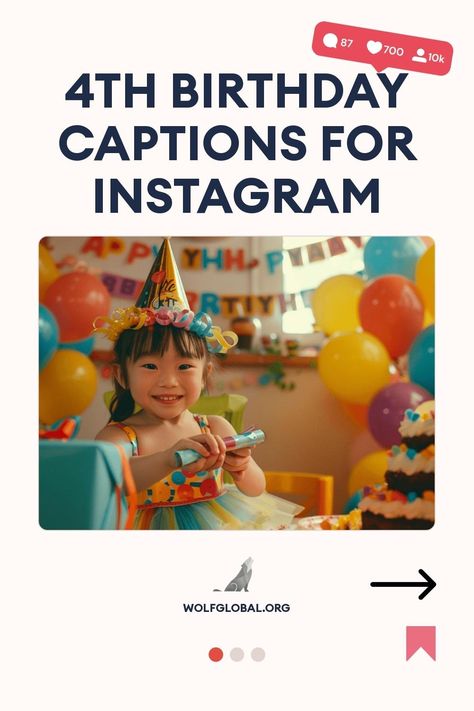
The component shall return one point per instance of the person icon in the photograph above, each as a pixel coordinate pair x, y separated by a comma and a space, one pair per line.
420, 56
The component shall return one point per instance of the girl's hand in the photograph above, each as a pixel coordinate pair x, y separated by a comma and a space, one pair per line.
237, 461
211, 447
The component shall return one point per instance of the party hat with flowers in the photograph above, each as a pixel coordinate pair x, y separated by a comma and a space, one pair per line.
163, 301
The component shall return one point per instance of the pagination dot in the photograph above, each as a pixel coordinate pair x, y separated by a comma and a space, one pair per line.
216, 654
236, 654
257, 654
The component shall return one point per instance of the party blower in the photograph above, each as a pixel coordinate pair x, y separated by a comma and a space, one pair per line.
249, 438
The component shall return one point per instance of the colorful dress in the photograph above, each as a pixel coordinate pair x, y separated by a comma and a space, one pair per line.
182, 500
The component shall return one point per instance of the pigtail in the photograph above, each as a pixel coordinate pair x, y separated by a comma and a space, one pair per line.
122, 404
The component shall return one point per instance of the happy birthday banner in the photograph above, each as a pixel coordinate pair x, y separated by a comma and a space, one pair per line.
228, 305
227, 259
223, 259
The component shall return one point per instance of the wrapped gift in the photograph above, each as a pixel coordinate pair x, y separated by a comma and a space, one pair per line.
81, 485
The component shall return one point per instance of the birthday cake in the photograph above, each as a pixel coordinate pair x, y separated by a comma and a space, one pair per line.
406, 499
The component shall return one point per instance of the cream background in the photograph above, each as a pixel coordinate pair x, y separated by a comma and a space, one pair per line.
93, 620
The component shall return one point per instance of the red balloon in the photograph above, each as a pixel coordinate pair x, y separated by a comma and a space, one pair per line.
76, 299
392, 309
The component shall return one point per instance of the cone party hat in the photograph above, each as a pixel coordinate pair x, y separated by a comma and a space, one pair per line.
163, 302
163, 286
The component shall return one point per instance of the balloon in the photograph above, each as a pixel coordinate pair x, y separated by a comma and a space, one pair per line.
67, 386
76, 299
357, 413
354, 366
362, 445
424, 277
48, 335
392, 255
353, 502
426, 408
370, 470
48, 271
421, 359
428, 319
392, 309
335, 301
388, 407
86, 345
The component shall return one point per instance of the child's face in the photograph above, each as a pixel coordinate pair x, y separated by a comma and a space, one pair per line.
165, 386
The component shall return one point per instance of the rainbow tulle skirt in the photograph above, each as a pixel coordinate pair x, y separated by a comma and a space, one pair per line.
232, 511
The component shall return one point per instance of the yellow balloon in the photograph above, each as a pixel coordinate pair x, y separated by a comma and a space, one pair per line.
425, 278
354, 366
428, 319
426, 408
335, 303
368, 471
67, 386
48, 271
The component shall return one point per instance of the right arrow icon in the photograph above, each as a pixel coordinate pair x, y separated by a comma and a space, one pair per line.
428, 584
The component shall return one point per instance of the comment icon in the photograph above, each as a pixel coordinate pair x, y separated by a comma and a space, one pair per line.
330, 40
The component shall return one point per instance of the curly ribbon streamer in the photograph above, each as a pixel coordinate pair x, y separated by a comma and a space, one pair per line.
134, 318
164, 316
201, 325
225, 340
120, 320
184, 319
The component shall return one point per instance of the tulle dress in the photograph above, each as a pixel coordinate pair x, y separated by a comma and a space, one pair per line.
203, 501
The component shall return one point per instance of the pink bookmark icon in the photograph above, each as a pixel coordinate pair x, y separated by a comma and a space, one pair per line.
421, 638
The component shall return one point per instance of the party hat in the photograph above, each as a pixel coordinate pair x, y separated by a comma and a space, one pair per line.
163, 301
163, 286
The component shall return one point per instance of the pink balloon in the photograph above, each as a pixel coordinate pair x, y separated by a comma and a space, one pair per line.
362, 445
388, 407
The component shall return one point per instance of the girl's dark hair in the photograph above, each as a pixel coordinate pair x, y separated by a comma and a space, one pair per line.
131, 345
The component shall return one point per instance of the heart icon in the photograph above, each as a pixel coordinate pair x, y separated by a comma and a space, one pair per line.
374, 47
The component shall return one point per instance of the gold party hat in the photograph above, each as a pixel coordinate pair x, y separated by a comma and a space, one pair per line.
163, 286
163, 301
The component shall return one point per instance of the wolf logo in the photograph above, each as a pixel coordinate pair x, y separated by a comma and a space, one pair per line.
241, 580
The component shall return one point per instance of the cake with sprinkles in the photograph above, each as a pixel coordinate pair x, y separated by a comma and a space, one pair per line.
406, 499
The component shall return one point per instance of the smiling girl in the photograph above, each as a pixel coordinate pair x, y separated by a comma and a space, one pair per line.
162, 360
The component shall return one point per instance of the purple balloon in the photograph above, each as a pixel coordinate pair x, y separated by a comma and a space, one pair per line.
388, 407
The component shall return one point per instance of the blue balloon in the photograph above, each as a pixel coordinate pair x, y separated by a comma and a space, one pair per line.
48, 335
421, 359
393, 255
85, 345
353, 502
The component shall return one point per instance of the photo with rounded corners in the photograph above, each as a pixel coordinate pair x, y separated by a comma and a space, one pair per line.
236, 383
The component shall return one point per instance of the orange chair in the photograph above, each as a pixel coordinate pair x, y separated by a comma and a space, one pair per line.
313, 491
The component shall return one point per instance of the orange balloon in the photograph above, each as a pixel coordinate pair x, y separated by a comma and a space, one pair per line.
425, 278
357, 413
76, 299
67, 385
391, 307
48, 271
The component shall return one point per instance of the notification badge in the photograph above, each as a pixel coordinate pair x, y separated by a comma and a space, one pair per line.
382, 49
